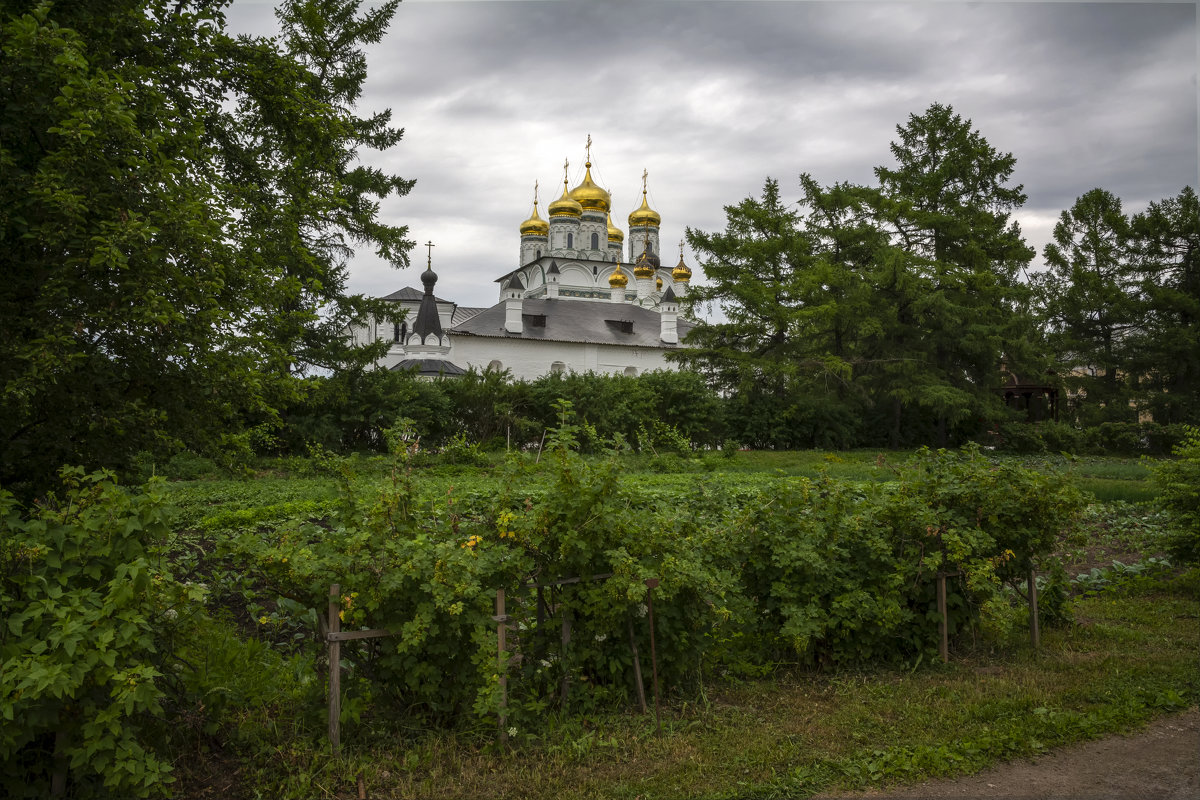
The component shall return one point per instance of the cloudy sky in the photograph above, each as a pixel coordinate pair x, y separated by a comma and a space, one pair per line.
713, 96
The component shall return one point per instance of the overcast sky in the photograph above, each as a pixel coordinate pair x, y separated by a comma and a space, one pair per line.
713, 96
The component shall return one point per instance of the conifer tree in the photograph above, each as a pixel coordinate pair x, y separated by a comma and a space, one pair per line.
955, 265
1091, 304
1165, 355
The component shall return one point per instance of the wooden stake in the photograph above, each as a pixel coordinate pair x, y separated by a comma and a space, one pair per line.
651, 585
1034, 632
566, 641
58, 778
501, 630
637, 668
944, 624
335, 668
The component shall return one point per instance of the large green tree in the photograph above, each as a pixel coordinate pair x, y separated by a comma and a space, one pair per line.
957, 259
1165, 355
1091, 303
893, 306
177, 205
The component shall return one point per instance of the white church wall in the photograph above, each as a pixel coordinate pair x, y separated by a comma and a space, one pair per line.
529, 359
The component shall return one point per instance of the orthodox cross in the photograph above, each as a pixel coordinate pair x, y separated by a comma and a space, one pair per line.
566, 166
681, 249
589, 147
535, 183
429, 254
644, 175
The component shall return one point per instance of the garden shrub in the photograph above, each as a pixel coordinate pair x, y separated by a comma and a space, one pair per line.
88, 609
1178, 482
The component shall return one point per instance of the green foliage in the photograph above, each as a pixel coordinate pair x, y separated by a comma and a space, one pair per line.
179, 205
88, 607
1178, 482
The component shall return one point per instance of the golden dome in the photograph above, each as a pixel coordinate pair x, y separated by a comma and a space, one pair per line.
658, 284
615, 234
590, 196
617, 278
565, 206
681, 273
644, 268
644, 216
535, 225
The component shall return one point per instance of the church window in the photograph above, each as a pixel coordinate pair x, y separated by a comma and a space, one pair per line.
570, 240
558, 367
539, 253
595, 241
395, 331
595, 271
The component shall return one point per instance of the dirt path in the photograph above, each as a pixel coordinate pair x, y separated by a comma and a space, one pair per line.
1160, 762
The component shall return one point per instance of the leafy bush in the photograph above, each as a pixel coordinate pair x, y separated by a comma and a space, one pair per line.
1178, 482
88, 608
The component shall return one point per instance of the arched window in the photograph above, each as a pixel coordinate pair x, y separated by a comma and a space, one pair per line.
570, 240
595, 241
558, 367
494, 365
403, 332
539, 253
395, 331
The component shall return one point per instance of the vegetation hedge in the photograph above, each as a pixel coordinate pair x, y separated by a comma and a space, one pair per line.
818, 571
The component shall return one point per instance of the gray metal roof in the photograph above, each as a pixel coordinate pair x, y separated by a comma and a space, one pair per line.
463, 313
564, 320
409, 293
430, 366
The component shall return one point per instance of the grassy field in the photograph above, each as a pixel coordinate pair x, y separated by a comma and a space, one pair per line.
790, 732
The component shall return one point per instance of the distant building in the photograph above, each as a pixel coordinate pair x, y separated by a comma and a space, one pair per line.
572, 304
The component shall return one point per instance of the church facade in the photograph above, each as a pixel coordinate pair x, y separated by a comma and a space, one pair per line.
584, 297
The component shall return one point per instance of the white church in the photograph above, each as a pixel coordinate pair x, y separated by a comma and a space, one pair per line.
572, 304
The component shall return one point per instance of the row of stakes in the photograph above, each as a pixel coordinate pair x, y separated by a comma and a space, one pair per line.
334, 636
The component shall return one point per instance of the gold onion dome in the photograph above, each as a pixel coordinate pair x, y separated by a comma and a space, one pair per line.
590, 196
617, 278
658, 284
535, 225
644, 268
644, 216
681, 273
565, 206
615, 234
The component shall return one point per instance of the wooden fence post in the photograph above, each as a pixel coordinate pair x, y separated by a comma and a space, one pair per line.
562, 658
501, 668
944, 622
1034, 632
335, 669
637, 667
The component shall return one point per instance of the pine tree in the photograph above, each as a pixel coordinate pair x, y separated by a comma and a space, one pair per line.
957, 256
1091, 305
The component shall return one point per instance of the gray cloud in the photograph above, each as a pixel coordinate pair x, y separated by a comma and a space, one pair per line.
712, 97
